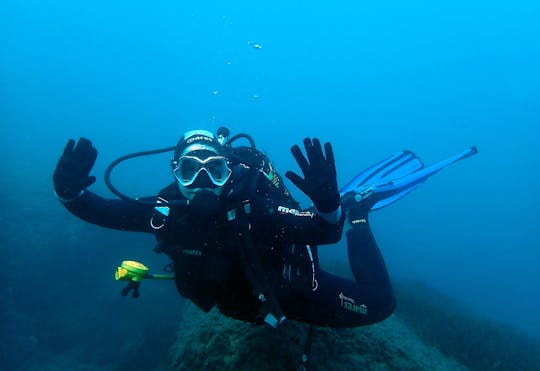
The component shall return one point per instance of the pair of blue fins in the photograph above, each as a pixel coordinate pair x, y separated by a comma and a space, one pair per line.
392, 178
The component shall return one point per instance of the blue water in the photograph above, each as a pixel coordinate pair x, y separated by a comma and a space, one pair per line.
431, 76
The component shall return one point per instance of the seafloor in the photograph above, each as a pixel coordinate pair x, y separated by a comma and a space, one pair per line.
428, 332
211, 342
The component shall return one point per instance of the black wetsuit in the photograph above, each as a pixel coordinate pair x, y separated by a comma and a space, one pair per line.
208, 252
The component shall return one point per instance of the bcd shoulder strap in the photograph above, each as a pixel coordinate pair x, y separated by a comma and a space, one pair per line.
270, 311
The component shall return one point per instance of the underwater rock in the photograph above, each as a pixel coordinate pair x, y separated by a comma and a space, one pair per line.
211, 341
427, 331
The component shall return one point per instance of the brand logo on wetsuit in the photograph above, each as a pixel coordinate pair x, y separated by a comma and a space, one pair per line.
348, 304
192, 252
286, 210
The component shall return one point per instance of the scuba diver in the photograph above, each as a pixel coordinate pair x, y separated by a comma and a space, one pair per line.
237, 238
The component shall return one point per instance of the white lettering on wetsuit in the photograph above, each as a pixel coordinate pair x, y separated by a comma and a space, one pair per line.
348, 304
286, 210
192, 252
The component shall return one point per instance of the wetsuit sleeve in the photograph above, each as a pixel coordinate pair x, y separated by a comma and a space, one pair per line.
279, 221
111, 213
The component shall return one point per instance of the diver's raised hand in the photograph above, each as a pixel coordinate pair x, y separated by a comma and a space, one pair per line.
72, 173
320, 181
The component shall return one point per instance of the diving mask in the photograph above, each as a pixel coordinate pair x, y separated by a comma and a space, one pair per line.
187, 168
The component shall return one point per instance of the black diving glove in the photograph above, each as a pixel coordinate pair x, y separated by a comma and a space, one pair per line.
71, 175
320, 180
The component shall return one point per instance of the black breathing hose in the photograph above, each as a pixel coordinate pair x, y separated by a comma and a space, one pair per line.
238, 136
130, 199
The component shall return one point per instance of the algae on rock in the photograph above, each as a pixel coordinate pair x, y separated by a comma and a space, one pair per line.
210, 341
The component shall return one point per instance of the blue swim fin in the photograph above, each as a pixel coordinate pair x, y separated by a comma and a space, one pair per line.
392, 178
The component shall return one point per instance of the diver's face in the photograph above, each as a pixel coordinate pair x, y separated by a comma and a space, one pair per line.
201, 170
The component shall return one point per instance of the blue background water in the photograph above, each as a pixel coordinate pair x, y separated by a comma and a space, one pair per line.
372, 78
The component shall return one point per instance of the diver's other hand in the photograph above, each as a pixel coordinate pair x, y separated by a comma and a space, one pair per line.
72, 173
319, 169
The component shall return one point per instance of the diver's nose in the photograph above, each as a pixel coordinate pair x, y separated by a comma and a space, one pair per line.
203, 180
